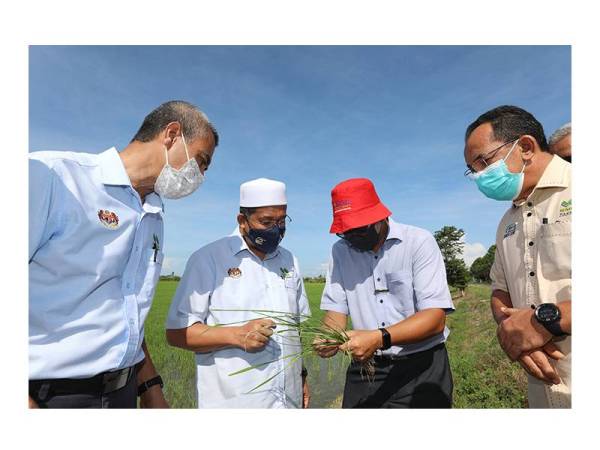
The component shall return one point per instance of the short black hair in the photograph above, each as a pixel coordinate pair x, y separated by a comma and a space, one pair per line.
510, 123
194, 122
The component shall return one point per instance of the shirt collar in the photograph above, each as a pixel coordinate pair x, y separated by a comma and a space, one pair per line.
238, 244
395, 230
112, 168
556, 174
113, 173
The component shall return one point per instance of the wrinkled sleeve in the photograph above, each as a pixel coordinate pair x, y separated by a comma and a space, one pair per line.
497, 273
334, 296
429, 277
192, 297
41, 191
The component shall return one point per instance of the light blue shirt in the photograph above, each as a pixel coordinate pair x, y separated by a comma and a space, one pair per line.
92, 268
380, 289
227, 275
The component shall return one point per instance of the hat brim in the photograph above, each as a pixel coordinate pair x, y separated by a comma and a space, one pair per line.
344, 222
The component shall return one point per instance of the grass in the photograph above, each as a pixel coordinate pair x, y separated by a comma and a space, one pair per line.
483, 375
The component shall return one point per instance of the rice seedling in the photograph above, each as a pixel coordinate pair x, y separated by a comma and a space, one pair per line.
303, 331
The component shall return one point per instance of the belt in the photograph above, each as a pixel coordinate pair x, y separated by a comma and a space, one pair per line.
389, 358
103, 383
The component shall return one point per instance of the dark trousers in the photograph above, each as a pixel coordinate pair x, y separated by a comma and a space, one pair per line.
46, 395
419, 380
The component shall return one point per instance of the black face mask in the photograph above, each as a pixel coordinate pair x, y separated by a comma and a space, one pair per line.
266, 240
362, 239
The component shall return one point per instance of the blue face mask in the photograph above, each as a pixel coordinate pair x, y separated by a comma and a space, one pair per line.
266, 240
499, 183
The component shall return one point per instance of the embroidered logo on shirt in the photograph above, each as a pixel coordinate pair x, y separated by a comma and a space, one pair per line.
510, 230
234, 272
566, 208
108, 218
285, 273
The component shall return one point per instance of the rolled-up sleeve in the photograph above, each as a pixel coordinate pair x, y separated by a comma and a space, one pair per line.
429, 277
334, 296
192, 297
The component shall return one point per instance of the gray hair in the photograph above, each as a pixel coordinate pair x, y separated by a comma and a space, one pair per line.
193, 121
562, 132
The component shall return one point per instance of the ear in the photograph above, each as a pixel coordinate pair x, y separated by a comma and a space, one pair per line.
171, 131
241, 220
528, 146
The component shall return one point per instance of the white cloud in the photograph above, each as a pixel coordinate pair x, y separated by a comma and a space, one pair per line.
473, 251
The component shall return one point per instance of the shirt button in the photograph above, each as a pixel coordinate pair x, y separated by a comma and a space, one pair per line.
375, 256
532, 273
532, 306
529, 214
529, 204
127, 285
531, 243
378, 279
380, 301
383, 324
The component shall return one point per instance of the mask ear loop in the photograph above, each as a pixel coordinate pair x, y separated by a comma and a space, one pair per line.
185, 146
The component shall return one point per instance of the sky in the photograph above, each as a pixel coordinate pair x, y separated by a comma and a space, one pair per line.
310, 116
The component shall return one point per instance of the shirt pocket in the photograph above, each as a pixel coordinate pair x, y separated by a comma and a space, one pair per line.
153, 267
555, 250
291, 289
401, 290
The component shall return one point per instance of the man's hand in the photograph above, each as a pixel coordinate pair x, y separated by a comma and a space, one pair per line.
537, 364
254, 335
32, 404
325, 348
520, 332
305, 393
363, 343
153, 398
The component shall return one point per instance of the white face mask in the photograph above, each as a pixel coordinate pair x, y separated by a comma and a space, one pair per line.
172, 183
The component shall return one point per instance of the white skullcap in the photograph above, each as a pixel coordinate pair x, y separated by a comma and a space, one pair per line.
262, 192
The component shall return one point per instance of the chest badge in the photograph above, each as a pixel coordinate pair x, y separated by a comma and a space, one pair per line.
234, 272
510, 230
108, 218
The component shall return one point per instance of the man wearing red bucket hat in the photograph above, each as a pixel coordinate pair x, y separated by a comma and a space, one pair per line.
391, 280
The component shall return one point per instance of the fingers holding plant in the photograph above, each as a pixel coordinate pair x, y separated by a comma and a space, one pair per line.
255, 335
325, 348
362, 344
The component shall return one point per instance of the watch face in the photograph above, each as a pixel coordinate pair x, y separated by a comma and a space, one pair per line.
547, 312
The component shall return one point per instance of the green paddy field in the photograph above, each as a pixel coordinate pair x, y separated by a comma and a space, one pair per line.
483, 375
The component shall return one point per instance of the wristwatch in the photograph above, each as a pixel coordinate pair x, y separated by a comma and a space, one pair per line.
549, 316
149, 383
387, 339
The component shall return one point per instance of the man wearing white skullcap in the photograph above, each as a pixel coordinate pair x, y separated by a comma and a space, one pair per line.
225, 283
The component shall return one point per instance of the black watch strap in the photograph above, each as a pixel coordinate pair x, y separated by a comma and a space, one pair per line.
554, 328
149, 383
387, 339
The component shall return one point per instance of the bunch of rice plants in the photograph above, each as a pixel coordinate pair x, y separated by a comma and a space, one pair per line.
299, 330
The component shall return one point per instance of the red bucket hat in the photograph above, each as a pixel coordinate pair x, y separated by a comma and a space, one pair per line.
356, 204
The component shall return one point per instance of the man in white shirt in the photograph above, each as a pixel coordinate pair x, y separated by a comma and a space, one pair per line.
222, 284
95, 255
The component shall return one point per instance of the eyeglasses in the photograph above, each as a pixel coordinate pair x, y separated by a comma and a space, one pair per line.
271, 223
484, 159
